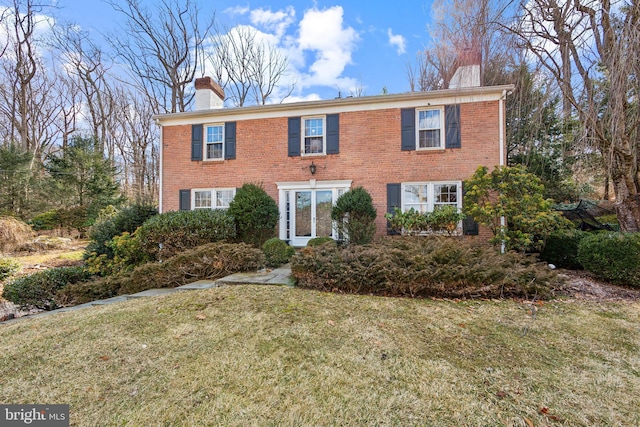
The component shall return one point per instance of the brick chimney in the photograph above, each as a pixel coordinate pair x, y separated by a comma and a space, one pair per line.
468, 68
209, 94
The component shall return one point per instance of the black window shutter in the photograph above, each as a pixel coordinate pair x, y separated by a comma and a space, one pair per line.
185, 200
333, 134
408, 126
394, 200
469, 226
230, 140
196, 142
452, 126
294, 136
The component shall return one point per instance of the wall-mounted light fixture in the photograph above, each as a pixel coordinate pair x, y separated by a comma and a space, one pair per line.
313, 168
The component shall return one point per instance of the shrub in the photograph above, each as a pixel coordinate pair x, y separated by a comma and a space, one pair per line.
561, 248
429, 267
39, 290
49, 220
614, 257
277, 252
442, 219
355, 216
8, 267
74, 218
513, 193
92, 290
13, 233
210, 261
108, 226
163, 236
255, 214
317, 241
127, 254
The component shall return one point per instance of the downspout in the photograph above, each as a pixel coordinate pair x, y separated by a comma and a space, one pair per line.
160, 169
501, 114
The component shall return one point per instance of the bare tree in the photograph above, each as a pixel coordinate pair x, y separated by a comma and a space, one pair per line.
88, 68
249, 69
461, 26
162, 49
591, 48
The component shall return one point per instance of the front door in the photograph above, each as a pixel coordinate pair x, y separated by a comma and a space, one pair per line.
311, 215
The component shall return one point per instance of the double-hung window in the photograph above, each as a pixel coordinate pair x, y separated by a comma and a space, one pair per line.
214, 143
313, 129
212, 198
430, 128
427, 196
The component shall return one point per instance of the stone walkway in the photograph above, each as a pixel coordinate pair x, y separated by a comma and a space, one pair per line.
278, 276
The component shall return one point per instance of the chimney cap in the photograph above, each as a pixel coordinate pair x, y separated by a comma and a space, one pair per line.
208, 83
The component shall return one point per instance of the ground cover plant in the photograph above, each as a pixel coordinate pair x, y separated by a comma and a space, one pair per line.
423, 267
259, 355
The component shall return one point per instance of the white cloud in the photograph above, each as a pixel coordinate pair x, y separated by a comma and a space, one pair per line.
237, 10
398, 41
277, 21
323, 33
318, 48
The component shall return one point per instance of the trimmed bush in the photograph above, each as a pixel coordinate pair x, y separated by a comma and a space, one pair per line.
13, 233
168, 234
317, 241
211, 261
277, 252
8, 267
355, 216
105, 229
255, 214
425, 267
39, 290
93, 290
614, 257
561, 248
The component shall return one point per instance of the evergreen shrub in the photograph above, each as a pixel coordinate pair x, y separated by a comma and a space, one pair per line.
38, 290
423, 267
166, 235
355, 216
614, 257
105, 229
561, 248
277, 252
255, 214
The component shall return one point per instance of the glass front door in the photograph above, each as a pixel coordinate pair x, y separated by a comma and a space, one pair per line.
312, 215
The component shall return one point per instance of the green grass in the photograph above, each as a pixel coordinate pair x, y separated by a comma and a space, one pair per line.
274, 356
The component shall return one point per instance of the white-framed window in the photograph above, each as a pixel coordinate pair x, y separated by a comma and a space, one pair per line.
313, 135
212, 198
425, 196
214, 142
430, 129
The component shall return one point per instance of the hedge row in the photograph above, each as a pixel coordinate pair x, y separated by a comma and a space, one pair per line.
211, 261
423, 267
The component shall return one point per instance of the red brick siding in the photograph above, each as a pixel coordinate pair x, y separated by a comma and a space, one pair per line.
370, 155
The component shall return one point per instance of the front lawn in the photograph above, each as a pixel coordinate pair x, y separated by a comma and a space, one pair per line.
263, 355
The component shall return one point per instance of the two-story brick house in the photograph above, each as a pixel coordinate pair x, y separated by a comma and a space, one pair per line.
410, 150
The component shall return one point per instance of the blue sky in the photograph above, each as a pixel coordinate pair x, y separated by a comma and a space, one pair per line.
331, 46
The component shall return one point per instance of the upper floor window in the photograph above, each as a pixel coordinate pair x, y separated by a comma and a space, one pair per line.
314, 135
214, 142
430, 128
213, 198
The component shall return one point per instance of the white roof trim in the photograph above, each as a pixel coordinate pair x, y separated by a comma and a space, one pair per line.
340, 105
